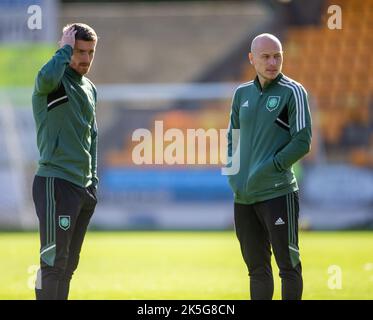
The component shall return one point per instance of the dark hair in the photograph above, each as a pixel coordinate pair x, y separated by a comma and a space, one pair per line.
84, 31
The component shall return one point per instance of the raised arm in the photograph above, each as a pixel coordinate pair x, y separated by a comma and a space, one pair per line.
51, 73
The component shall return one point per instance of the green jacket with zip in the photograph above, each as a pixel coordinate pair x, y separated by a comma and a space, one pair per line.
274, 125
64, 108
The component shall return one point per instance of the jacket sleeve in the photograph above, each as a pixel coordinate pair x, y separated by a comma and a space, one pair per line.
234, 123
300, 130
93, 150
52, 72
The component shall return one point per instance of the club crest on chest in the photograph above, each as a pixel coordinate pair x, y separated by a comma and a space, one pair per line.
272, 103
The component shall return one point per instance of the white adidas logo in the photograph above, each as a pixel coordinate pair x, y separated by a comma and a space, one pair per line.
245, 104
279, 222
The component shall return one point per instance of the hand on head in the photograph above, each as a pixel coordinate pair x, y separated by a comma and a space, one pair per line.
68, 37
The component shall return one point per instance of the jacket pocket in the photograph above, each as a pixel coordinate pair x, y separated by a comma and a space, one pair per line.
264, 176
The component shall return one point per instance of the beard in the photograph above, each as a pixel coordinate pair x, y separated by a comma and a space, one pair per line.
83, 68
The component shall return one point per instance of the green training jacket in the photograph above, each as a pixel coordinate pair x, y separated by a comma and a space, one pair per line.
274, 132
64, 108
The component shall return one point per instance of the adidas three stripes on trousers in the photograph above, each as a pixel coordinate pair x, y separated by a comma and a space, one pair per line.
267, 226
64, 211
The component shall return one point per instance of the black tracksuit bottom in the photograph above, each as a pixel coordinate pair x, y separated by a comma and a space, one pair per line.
64, 211
271, 224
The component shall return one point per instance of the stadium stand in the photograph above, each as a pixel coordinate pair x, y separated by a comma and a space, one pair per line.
333, 66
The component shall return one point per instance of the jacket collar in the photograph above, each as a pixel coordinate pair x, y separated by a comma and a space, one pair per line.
73, 74
271, 84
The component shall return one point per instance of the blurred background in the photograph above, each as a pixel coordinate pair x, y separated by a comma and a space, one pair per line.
179, 62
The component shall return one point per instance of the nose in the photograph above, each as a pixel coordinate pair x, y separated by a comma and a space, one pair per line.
86, 58
272, 61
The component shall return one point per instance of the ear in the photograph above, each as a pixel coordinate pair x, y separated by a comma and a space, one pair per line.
251, 58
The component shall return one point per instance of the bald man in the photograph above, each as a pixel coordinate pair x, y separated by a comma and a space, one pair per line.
272, 115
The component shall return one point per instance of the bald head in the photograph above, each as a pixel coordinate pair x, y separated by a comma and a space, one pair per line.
266, 57
265, 40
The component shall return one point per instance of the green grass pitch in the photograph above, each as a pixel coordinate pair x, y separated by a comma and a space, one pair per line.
187, 265
15, 70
